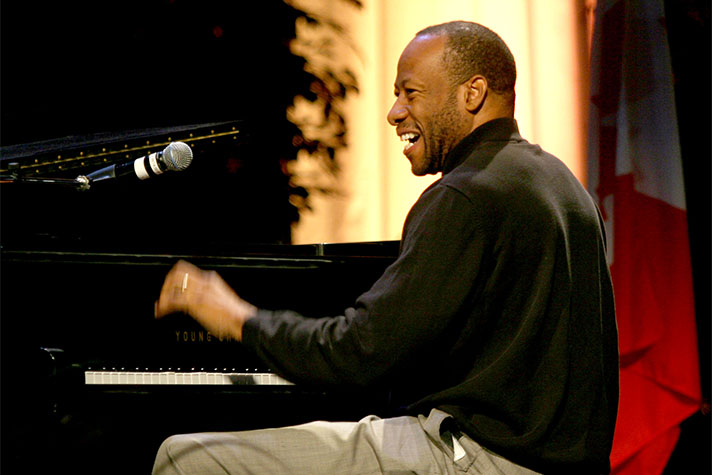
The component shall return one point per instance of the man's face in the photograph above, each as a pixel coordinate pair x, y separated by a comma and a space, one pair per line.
428, 114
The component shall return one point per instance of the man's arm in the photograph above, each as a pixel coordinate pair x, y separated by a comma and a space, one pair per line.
391, 325
402, 319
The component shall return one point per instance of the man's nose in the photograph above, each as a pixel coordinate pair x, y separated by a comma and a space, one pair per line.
397, 114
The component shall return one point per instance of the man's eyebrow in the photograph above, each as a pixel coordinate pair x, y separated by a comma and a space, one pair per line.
407, 83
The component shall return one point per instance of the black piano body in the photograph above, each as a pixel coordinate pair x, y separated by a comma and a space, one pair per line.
78, 286
67, 312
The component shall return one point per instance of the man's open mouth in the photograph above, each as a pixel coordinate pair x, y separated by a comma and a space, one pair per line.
409, 139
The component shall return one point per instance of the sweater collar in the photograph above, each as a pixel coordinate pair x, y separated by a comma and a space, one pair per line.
495, 130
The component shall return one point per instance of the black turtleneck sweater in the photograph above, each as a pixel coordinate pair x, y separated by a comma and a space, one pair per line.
499, 311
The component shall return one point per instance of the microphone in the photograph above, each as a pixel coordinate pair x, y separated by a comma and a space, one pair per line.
176, 157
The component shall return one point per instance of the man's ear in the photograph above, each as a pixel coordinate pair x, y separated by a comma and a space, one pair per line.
475, 93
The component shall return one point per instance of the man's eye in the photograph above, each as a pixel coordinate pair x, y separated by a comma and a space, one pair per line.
407, 92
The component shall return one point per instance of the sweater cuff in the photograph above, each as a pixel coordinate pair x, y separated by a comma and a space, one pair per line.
251, 330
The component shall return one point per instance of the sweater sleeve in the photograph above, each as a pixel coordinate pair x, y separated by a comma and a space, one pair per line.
405, 312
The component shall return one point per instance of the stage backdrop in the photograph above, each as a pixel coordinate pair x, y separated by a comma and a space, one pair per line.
375, 189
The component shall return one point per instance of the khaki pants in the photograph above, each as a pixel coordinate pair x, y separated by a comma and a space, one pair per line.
371, 446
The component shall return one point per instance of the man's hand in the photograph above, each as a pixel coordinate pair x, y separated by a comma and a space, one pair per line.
206, 297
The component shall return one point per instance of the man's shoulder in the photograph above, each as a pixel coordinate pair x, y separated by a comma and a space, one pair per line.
505, 168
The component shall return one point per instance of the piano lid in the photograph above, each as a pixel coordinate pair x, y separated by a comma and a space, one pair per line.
79, 154
233, 192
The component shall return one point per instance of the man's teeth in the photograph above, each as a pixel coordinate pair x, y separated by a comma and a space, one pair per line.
409, 137
409, 140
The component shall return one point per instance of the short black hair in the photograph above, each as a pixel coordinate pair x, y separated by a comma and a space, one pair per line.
475, 49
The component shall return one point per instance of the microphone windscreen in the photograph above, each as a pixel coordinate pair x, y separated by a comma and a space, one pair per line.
177, 156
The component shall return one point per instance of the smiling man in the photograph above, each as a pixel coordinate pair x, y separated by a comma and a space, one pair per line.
495, 326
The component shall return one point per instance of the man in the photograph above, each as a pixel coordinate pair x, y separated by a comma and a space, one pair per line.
496, 320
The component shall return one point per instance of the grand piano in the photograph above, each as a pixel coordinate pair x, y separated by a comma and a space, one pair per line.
91, 382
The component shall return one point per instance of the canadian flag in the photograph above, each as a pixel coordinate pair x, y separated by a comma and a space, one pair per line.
635, 174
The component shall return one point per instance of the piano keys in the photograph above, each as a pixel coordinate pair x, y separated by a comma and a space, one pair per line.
194, 377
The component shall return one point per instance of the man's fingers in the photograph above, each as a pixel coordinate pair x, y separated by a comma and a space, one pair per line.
168, 302
166, 305
174, 292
